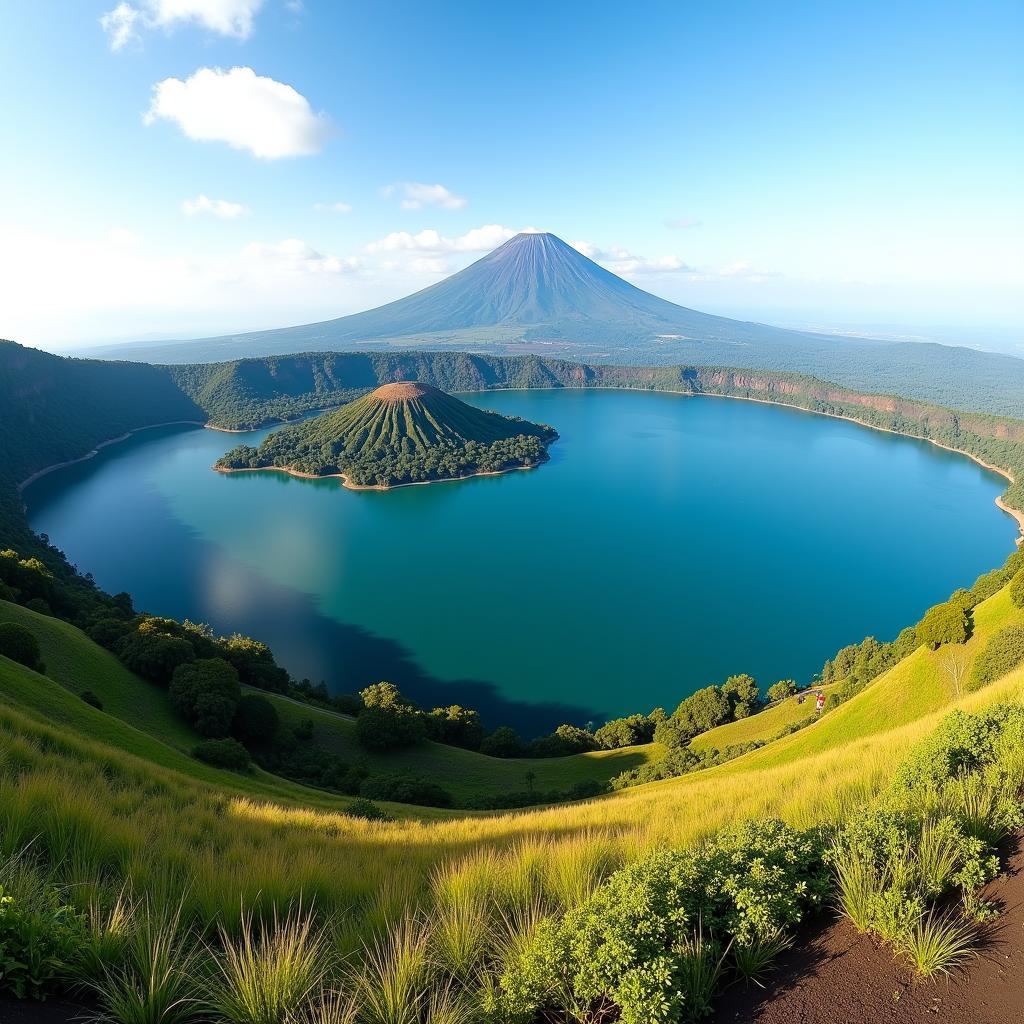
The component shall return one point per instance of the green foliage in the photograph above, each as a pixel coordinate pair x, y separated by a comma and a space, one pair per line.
563, 742
207, 693
91, 699
1003, 652
368, 810
1017, 588
256, 720
455, 725
945, 623
267, 975
939, 944
226, 753
625, 732
152, 653
503, 742
19, 644
859, 663
781, 690
698, 713
254, 663
380, 442
406, 789
640, 941
743, 695
39, 937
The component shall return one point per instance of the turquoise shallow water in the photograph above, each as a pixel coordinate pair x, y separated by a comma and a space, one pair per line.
668, 543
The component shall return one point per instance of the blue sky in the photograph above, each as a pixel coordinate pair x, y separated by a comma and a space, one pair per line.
189, 167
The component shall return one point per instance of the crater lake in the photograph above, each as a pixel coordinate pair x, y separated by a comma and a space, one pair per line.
668, 543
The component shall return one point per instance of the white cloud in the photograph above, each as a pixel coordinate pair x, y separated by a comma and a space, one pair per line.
221, 208
415, 195
295, 256
120, 24
241, 108
333, 207
481, 239
682, 222
232, 18
627, 264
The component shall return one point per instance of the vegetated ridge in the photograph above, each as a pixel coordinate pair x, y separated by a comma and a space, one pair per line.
536, 294
400, 433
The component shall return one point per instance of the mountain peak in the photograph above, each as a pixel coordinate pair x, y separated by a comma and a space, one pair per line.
402, 391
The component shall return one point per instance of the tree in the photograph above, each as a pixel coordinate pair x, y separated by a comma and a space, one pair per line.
154, 656
20, 645
704, 710
781, 690
945, 623
1017, 588
743, 695
626, 732
954, 666
564, 741
256, 720
503, 742
254, 662
207, 693
224, 753
389, 728
457, 726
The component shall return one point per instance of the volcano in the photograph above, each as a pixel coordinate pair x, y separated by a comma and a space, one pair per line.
401, 433
534, 292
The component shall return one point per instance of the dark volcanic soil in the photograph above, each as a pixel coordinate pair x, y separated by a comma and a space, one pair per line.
838, 976
53, 1011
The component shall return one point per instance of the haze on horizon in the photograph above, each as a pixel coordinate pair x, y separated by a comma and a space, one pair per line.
197, 167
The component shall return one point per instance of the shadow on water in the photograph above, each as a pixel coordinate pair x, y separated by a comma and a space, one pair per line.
187, 576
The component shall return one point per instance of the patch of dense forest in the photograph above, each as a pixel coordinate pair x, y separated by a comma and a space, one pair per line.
399, 434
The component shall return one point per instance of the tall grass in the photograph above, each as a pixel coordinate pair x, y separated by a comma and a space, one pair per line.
939, 944
268, 974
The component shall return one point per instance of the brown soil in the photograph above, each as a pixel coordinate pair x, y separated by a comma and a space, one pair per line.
839, 976
402, 392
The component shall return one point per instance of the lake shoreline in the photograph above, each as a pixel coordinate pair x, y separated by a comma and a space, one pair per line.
369, 487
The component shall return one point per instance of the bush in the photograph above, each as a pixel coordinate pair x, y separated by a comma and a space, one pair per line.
256, 720
254, 663
1002, 654
639, 941
20, 645
390, 728
781, 690
503, 742
456, 726
153, 654
404, 789
90, 698
743, 695
207, 693
368, 810
225, 753
39, 937
565, 741
944, 624
625, 732
1017, 588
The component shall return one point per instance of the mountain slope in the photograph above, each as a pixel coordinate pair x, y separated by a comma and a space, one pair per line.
400, 433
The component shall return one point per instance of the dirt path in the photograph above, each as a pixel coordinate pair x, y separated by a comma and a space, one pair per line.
839, 976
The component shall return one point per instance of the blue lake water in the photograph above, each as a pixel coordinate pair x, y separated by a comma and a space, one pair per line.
669, 543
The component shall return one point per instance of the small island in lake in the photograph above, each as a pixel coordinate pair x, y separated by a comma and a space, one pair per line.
406, 433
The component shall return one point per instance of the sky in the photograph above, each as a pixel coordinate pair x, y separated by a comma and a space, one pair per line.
181, 168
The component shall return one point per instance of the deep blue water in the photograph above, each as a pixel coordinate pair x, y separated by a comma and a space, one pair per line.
668, 543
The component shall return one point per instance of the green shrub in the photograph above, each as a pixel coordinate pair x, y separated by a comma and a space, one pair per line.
405, 789
154, 655
456, 726
625, 732
1017, 588
39, 937
503, 742
368, 810
20, 645
939, 944
945, 623
743, 695
256, 720
388, 721
91, 699
1002, 654
225, 753
643, 941
781, 690
565, 741
206, 693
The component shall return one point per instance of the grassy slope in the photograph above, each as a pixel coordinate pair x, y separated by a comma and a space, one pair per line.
72, 772
74, 661
765, 725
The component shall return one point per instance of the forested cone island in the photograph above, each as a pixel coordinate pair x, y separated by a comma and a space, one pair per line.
401, 433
